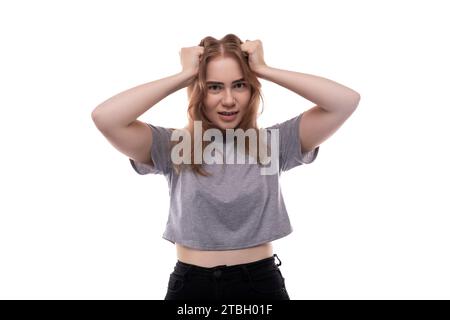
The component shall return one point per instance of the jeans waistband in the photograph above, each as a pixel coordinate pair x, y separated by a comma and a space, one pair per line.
185, 268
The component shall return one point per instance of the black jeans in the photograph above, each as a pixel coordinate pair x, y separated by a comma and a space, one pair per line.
259, 280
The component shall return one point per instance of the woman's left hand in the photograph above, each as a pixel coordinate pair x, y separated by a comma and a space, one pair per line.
255, 53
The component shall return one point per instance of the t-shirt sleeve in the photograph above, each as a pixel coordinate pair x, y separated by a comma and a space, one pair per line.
290, 152
160, 153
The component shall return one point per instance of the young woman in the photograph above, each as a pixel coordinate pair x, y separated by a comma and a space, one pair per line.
224, 214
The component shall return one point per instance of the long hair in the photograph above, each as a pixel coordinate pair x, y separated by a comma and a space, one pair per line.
229, 45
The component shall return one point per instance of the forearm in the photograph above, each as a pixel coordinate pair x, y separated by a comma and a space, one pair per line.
326, 93
125, 107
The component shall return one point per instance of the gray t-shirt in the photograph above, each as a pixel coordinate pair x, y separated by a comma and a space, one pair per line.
236, 207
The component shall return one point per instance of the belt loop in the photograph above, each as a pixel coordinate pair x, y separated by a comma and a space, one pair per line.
275, 256
246, 273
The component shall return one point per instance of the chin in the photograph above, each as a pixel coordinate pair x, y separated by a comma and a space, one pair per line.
227, 125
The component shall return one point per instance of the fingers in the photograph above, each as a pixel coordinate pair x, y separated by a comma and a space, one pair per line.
245, 43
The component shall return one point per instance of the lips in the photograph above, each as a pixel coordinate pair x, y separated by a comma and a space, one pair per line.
228, 116
228, 113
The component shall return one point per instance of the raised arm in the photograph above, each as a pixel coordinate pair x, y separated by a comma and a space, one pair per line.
122, 109
334, 103
116, 118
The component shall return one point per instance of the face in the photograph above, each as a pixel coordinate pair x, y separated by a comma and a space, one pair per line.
227, 92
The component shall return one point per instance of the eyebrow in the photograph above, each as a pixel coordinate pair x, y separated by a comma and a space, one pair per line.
217, 82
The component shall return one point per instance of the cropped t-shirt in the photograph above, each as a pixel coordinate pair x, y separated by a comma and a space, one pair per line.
236, 207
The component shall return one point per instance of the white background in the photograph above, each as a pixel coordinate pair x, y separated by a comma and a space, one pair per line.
370, 216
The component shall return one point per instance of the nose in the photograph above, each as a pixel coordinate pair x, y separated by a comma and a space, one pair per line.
228, 99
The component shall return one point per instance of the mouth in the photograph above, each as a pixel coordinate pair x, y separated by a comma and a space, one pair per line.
228, 116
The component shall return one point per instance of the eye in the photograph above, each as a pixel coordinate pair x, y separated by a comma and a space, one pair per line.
243, 85
213, 86
240, 85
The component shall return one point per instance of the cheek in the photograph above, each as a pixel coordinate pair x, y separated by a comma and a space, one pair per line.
244, 102
210, 98
245, 97
210, 103
209, 106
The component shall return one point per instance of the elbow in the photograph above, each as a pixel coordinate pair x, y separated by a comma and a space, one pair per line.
357, 97
351, 103
354, 100
97, 119
95, 116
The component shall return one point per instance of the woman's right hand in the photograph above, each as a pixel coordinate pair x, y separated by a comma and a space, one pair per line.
190, 59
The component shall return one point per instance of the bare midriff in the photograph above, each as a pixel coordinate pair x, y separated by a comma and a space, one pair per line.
210, 259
